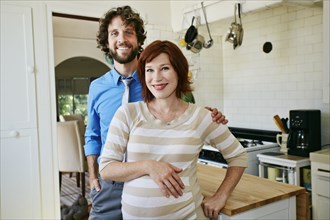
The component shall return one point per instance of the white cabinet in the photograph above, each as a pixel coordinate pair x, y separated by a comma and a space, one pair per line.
289, 165
20, 180
321, 183
18, 98
283, 209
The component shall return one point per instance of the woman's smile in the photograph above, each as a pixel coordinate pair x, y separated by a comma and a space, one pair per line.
160, 86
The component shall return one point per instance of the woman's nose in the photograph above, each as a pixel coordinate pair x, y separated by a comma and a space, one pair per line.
158, 76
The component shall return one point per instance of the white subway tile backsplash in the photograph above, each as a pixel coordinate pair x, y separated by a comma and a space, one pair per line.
306, 13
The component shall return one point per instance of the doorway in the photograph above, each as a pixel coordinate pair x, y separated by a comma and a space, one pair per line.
78, 62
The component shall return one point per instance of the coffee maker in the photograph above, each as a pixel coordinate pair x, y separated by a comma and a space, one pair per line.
305, 132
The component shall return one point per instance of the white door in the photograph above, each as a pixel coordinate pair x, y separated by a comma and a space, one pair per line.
20, 180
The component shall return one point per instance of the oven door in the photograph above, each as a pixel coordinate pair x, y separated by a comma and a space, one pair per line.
211, 156
212, 163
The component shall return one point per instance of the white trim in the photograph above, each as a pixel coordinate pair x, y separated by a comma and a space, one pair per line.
326, 47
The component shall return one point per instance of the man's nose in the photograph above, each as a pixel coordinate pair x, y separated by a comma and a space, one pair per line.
121, 37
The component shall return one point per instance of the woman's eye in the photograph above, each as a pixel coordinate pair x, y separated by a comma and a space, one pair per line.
165, 68
149, 70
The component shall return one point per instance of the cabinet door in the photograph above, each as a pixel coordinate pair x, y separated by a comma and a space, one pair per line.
18, 96
322, 207
20, 187
20, 180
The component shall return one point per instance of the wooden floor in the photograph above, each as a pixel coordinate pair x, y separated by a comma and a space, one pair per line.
70, 192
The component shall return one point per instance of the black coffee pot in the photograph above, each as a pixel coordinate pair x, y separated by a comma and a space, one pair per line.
305, 132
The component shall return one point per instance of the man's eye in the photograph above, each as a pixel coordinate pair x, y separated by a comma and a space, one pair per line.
130, 32
113, 34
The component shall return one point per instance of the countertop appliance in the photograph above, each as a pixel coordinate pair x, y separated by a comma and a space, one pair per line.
255, 141
305, 132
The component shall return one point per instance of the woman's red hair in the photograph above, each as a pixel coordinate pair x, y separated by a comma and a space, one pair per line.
177, 60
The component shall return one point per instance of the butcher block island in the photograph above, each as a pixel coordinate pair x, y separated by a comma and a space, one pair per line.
255, 197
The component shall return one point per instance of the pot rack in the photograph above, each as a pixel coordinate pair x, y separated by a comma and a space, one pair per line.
194, 41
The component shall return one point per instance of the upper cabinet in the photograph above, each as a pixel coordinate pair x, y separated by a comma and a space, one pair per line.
20, 181
18, 95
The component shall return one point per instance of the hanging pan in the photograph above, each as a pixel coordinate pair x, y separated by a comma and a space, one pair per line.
235, 33
191, 32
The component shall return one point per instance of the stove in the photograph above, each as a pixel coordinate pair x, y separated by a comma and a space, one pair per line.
253, 140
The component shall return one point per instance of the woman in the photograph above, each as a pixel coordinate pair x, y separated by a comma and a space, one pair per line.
161, 139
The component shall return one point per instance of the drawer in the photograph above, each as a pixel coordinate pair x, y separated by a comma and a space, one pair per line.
322, 183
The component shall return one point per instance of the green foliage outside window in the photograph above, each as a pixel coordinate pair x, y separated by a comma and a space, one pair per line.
73, 104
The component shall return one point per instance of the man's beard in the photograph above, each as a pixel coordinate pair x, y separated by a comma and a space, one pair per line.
124, 60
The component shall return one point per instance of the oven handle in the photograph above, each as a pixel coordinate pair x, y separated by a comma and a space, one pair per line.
219, 165
203, 162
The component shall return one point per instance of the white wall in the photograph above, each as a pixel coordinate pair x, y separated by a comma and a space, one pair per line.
258, 85
75, 38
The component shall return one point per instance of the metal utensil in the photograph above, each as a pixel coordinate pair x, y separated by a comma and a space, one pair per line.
208, 43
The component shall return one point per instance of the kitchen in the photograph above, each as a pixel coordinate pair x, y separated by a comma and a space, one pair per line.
248, 85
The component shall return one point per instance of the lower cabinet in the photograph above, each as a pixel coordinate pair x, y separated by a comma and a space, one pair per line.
283, 209
321, 190
20, 193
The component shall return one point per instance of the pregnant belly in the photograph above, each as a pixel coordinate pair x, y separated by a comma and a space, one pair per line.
143, 199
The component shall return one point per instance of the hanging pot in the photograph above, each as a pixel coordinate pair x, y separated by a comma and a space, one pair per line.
194, 41
235, 33
197, 44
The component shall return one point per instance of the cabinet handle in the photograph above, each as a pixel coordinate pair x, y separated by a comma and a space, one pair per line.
30, 69
13, 133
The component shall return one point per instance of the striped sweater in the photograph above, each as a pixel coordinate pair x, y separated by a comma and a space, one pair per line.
136, 131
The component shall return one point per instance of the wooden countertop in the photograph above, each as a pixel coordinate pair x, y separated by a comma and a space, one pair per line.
251, 192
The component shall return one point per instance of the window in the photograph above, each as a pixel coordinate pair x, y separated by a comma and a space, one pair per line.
72, 96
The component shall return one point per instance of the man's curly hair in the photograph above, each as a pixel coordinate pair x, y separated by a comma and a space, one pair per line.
129, 17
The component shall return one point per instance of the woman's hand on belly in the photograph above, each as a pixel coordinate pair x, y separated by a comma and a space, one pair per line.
166, 177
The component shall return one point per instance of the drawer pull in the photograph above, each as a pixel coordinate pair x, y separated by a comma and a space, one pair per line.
324, 173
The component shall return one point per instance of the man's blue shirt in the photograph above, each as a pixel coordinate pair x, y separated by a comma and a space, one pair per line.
104, 98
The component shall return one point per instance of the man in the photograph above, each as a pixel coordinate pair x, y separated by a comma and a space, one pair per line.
121, 36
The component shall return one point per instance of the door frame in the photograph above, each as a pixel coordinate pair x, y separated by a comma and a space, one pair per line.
87, 8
